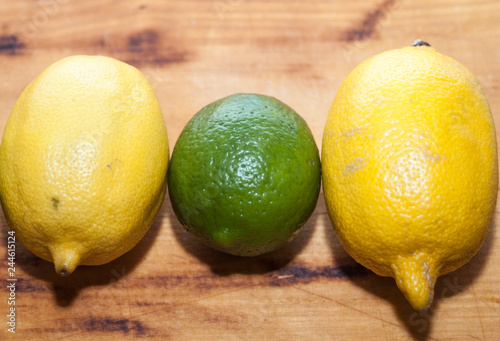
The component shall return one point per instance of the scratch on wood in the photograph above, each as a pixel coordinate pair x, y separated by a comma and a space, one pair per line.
367, 28
145, 48
10, 44
149, 312
353, 308
141, 39
477, 307
109, 324
27, 285
494, 300
301, 274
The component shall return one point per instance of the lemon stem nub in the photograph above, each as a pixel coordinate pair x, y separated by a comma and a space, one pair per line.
65, 259
420, 42
415, 277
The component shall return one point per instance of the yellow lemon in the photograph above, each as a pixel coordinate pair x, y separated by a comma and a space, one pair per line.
83, 162
409, 165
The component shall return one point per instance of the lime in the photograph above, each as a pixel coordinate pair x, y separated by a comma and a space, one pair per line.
245, 174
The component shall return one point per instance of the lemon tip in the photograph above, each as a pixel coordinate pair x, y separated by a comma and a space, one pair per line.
416, 279
65, 259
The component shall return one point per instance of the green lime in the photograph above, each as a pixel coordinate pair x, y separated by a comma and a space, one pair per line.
245, 174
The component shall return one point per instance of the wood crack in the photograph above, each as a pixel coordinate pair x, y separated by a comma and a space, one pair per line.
368, 26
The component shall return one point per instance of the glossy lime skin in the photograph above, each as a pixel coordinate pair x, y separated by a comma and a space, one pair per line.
245, 174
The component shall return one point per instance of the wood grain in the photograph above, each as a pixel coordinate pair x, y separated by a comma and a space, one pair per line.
194, 52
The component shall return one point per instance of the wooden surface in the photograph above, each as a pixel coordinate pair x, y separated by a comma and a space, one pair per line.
194, 52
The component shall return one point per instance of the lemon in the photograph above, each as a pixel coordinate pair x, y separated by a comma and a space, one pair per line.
410, 167
245, 174
83, 162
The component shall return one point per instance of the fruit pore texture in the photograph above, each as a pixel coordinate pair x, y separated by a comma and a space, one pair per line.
83, 161
245, 174
410, 166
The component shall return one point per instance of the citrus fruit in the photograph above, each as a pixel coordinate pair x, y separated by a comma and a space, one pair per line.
245, 174
410, 167
83, 162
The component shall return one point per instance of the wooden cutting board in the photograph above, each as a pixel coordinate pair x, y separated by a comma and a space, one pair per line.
194, 52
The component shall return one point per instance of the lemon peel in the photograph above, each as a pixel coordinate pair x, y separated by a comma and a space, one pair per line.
410, 169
